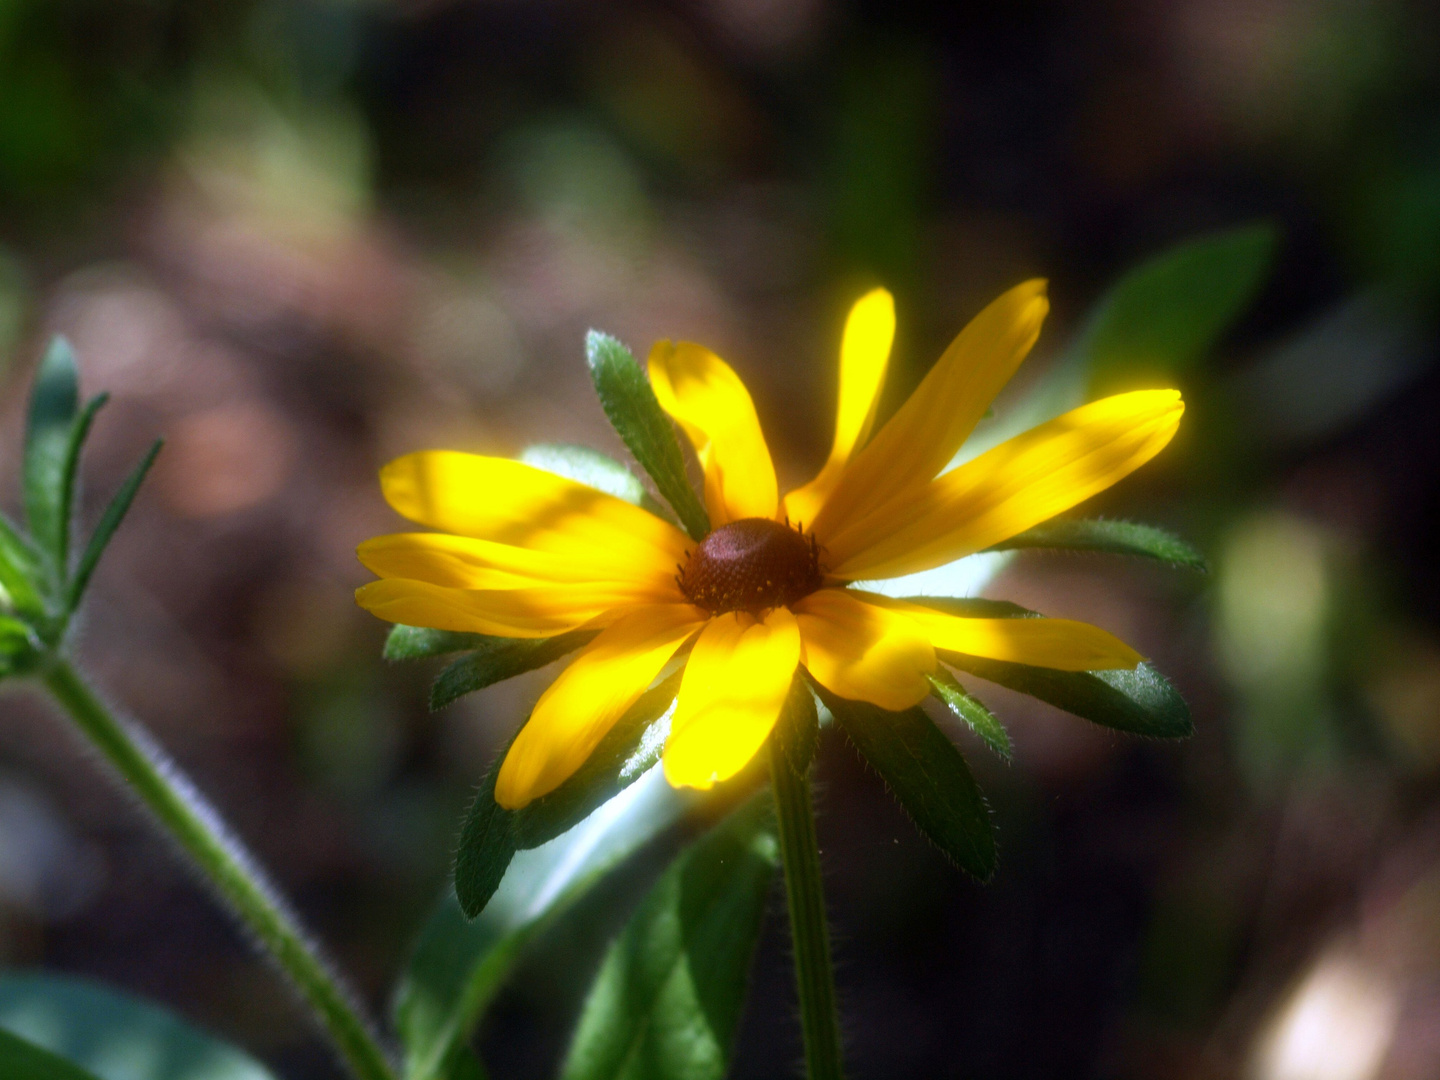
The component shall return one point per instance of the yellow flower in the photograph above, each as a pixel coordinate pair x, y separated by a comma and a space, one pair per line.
525, 553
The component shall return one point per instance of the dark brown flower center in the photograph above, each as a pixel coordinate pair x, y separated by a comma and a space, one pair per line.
753, 564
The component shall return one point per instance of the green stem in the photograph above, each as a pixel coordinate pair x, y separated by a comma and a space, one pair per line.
814, 974
230, 870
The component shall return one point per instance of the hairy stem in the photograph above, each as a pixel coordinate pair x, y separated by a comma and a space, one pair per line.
228, 868
814, 974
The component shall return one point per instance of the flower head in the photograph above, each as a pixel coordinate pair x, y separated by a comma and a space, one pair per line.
521, 552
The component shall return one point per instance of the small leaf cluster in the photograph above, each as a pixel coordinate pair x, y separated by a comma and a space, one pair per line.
42, 579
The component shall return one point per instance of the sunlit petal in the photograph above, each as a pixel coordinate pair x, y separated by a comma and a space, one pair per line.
864, 354
1019, 483
538, 611
580, 706
734, 686
862, 651
710, 402
508, 502
920, 439
466, 563
1049, 643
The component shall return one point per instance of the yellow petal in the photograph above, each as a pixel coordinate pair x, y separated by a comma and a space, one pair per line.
509, 502
1019, 483
1049, 643
510, 612
864, 353
466, 563
864, 652
734, 686
710, 402
574, 714
920, 439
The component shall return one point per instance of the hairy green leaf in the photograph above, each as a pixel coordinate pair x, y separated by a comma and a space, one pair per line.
53, 401
23, 1060
926, 774
113, 1035
630, 403
460, 964
499, 659
1108, 537
422, 643
668, 997
972, 712
109, 521
798, 729
1140, 701
1165, 314
596, 470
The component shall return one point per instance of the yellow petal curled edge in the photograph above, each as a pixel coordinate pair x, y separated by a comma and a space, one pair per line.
574, 714
466, 563
710, 402
509, 502
510, 612
863, 651
731, 694
1060, 644
922, 437
864, 355
1019, 483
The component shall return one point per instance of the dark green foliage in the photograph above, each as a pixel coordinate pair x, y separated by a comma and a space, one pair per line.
53, 401
667, 1000
498, 659
1108, 537
23, 1060
926, 774
630, 403
972, 711
109, 521
422, 643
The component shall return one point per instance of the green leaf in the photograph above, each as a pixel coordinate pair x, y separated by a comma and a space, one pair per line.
422, 643
972, 712
491, 834
499, 659
53, 401
1109, 537
19, 647
21, 1060
19, 570
69, 477
798, 729
630, 403
459, 965
926, 774
113, 1035
593, 469
1165, 314
1140, 701
109, 521
668, 997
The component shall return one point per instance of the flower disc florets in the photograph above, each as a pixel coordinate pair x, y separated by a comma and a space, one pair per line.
753, 565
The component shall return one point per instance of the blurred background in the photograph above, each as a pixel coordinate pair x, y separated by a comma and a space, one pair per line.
299, 238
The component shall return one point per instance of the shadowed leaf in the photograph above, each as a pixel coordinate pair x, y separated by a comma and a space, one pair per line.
498, 659
53, 401
109, 521
422, 643
1108, 537
972, 712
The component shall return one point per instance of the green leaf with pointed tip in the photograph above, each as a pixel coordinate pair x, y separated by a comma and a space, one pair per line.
798, 729
972, 712
668, 997
109, 521
630, 403
422, 643
53, 401
926, 774
70, 473
596, 470
459, 965
1140, 701
499, 659
1165, 314
21, 1060
1108, 537
113, 1035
